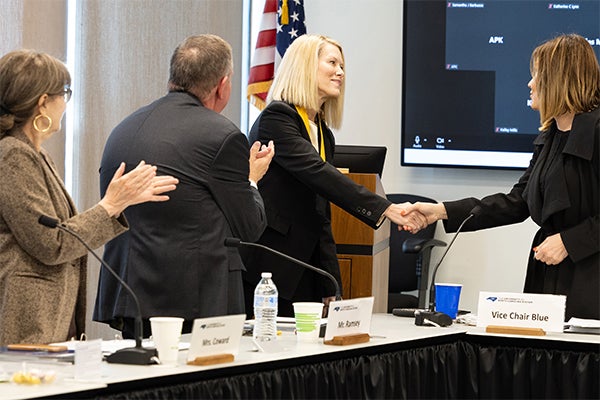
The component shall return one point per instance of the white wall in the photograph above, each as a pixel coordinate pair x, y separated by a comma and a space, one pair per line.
370, 32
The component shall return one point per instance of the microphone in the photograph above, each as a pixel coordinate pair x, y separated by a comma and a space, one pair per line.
440, 318
235, 242
137, 355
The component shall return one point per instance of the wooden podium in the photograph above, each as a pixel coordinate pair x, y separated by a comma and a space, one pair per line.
363, 252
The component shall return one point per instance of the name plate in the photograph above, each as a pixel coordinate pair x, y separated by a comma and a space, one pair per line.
216, 335
88, 360
348, 317
526, 310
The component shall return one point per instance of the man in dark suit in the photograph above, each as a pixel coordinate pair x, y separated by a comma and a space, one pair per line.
173, 256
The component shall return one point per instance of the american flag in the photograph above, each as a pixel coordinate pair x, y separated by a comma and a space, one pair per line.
282, 22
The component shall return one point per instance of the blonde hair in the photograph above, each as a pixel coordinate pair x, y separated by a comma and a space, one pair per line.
25, 76
199, 63
296, 79
567, 77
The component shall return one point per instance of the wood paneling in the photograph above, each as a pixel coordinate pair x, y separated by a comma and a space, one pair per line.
349, 230
346, 273
363, 275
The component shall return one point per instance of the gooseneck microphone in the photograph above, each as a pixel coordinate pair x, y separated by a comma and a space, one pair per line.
431, 314
235, 242
137, 355
474, 212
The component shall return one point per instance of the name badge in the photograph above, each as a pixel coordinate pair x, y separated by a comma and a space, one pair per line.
216, 335
347, 317
526, 310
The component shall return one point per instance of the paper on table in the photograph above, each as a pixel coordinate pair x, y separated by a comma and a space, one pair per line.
584, 323
279, 320
580, 325
283, 323
110, 346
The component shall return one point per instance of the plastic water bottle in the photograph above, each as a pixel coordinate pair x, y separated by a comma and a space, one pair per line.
265, 309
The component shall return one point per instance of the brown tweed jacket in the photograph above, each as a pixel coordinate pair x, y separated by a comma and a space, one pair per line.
42, 270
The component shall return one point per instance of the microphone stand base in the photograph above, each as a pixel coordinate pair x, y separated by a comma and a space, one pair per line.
133, 356
432, 318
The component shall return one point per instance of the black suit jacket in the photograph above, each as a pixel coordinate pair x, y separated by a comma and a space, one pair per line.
297, 190
173, 256
562, 200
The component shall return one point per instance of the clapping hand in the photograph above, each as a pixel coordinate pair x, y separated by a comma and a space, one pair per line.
137, 186
260, 159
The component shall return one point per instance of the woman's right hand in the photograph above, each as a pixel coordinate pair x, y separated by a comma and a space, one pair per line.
137, 186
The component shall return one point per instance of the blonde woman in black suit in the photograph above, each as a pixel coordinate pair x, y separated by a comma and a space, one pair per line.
304, 102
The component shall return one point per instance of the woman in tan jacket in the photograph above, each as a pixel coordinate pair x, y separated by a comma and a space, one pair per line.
42, 270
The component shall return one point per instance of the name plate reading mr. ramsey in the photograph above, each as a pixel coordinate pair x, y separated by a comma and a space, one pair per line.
349, 317
526, 310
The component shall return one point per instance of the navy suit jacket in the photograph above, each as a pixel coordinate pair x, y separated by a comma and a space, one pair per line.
173, 256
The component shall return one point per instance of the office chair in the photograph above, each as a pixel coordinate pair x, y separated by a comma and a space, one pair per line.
409, 260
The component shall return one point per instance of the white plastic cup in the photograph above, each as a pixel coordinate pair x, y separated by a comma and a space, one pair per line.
447, 296
308, 321
166, 332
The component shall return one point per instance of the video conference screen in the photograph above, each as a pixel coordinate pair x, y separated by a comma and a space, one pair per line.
466, 68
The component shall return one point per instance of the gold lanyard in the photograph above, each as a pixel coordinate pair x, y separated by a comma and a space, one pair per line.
304, 116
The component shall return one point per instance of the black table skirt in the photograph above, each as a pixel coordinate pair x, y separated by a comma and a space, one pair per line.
509, 372
464, 368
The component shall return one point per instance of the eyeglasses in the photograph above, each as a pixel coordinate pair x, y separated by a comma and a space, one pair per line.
67, 93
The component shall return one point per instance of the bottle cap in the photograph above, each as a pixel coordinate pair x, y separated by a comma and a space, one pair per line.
265, 275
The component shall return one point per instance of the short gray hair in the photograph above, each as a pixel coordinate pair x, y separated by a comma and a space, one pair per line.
199, 63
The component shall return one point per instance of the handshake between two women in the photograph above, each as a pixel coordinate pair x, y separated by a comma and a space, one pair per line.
413, 217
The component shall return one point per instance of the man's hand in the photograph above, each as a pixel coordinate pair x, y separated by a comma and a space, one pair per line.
260, 159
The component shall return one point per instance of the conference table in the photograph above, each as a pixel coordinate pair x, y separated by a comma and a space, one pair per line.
401, 360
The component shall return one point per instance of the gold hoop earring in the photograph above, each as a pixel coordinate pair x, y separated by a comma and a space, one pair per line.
35, 122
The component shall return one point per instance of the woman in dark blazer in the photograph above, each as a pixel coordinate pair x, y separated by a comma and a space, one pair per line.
306, 98
559, 190
43, 270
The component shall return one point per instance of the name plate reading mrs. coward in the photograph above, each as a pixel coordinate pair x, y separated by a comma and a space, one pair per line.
526, 310
216, 335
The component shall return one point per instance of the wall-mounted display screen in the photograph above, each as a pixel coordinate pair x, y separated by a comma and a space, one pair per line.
465, 100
